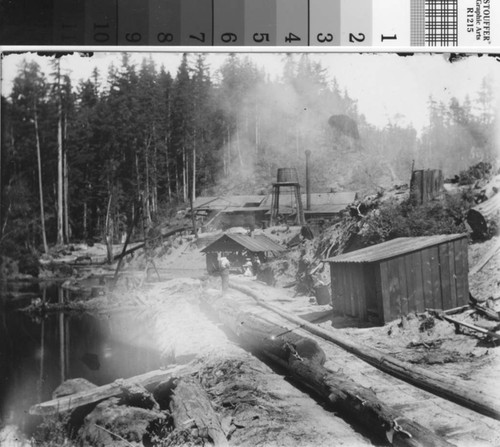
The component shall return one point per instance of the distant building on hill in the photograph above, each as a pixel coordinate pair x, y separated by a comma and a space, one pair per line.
253, 211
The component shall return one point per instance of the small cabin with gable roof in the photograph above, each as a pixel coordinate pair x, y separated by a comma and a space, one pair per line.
409, 274
234, 247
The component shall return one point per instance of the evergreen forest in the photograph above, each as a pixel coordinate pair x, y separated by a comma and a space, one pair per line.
83, 161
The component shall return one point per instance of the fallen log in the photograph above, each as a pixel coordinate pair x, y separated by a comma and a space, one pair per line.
457, 390
453, 311
457, 310
490, 313
468, 325
360, 402
192, 411
303, 358
480, 216
147, 380
142, 244
129, 251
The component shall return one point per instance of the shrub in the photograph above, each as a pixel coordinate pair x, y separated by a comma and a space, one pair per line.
52, 432
474, 173
392, 220
28, 264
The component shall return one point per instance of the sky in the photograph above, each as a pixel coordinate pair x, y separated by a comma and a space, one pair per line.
387, 87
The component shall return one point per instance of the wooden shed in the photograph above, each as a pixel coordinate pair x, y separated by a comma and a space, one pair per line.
236, 247
385, 281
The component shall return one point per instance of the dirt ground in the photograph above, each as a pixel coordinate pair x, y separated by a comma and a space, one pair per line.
259, 407
428, 342
255, 405
486, 282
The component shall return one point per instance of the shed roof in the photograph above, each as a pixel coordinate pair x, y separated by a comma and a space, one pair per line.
317, 198
257, 243
315, 209
224, 202
247, 209
393, 248
325, 209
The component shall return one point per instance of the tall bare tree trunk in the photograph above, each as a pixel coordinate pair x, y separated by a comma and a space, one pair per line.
257, 136
86, 206
147, 193
167, 166
228, 150
224, 160
238, 148
140, 192
177, 179
192, 196
85, 212
60, 220
193, 180
66, 184
155, 180
137, 175
39, 157
184, 175
109, 229
154, 175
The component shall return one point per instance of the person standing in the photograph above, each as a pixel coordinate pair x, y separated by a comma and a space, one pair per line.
247, 268
256, 265
224, 272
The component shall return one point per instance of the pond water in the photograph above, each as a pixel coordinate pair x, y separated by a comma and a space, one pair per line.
37, 354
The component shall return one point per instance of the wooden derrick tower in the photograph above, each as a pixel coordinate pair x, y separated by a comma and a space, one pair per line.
287, 181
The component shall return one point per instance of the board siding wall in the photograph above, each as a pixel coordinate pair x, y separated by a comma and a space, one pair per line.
434, 277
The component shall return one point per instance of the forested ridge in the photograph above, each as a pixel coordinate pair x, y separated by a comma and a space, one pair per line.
80, 162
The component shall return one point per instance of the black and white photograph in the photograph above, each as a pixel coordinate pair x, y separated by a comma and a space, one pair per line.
249, 249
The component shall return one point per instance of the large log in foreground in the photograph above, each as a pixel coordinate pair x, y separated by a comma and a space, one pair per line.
191, 410
148, 380
455, 390
303, 359
480, 217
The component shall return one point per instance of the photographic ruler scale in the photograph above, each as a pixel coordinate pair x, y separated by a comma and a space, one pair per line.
226, 23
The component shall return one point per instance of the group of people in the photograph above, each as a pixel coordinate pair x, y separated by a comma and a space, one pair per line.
250, 268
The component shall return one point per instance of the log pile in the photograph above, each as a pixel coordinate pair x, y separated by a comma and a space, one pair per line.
194, 420
68, 403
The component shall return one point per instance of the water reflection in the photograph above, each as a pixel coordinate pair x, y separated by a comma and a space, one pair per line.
37, 354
